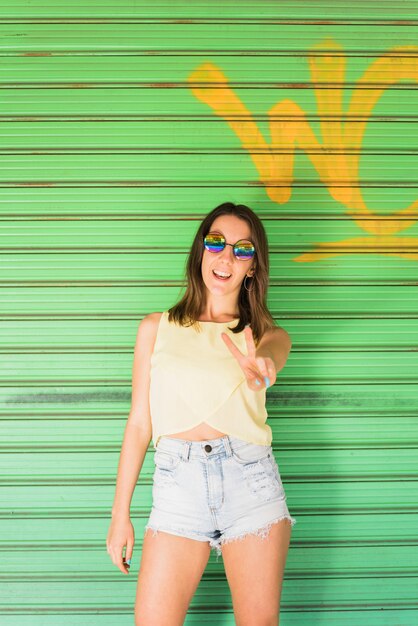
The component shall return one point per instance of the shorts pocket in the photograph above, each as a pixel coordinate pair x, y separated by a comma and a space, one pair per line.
166, 467
251, 453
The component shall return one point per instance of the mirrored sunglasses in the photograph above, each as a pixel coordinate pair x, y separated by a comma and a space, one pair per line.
243, 249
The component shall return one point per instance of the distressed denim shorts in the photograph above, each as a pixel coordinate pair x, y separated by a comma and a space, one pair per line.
216, 490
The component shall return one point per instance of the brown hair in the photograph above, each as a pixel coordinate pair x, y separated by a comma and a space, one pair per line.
252, 304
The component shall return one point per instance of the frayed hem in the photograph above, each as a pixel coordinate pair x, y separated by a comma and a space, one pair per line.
180, 532
262, 532
217, 545
213, 544
154, 530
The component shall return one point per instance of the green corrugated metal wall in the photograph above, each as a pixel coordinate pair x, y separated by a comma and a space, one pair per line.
122, 125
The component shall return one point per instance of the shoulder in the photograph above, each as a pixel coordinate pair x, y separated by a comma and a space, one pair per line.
282, 333
277, 334
148, 326
151, 320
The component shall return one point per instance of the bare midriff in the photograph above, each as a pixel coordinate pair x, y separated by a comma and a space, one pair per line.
198, 433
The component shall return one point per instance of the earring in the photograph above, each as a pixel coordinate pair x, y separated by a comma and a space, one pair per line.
245, 283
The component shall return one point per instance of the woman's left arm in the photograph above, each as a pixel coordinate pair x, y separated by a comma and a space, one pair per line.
275, 344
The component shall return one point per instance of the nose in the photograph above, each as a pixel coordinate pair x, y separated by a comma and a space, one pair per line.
227, 252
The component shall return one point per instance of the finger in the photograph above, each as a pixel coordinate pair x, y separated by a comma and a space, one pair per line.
271, 372
268, 370
126, 564
264, 373
256, 377
122, 564
114, 556
128, 554
127, 560
248, 334
232, 347
117, 559
262, 365
264, 381
271, 375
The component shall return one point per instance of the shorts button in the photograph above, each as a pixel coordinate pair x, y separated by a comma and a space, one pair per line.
208, 447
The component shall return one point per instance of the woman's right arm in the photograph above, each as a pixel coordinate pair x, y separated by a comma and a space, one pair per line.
137, 436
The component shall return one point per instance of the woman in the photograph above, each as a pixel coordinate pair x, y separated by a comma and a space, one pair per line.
200, 374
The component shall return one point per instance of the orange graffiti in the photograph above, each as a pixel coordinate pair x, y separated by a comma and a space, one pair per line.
337, 157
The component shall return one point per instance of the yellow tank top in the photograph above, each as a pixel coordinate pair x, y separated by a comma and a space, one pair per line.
194, 378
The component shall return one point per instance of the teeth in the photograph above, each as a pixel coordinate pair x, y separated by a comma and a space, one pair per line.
221, 273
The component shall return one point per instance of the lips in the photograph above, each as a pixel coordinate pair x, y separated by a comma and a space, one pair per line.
224, 278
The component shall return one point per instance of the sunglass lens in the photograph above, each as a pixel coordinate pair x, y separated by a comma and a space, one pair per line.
214, 243
244, 250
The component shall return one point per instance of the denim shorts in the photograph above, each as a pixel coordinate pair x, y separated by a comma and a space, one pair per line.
216, 490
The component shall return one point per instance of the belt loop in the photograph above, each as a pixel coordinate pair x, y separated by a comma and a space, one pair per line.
228, 447
185, 451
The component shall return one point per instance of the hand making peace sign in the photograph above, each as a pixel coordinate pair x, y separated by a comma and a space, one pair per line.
254, 368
